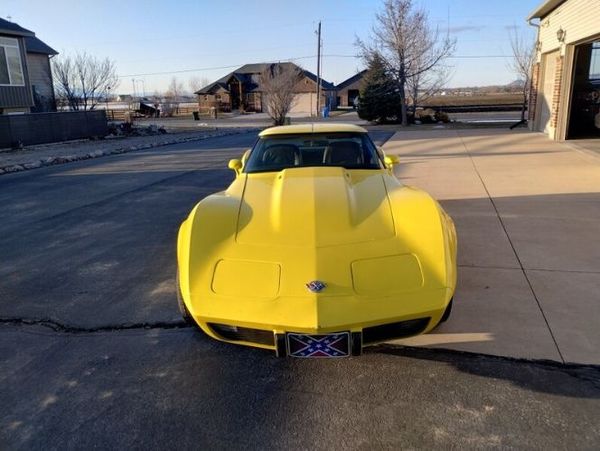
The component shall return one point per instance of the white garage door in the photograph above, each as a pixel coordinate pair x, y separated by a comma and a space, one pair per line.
304, 103
547, 91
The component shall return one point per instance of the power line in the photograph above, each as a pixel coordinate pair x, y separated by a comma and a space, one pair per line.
182, 71
179, 71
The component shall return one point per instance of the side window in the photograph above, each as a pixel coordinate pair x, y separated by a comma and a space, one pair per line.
11, 69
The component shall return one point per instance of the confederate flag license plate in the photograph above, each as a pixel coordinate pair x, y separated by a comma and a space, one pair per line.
319, 346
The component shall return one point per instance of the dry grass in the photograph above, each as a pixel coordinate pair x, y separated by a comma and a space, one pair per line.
489, 99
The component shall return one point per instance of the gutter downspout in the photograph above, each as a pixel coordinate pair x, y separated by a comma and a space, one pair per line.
52, 81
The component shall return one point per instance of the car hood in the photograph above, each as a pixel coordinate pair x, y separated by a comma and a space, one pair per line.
321, 206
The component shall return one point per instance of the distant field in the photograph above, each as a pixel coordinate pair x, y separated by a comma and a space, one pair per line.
490, 99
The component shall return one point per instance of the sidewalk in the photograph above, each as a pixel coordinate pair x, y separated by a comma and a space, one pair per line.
527, 213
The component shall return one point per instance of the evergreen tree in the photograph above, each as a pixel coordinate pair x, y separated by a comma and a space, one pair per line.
379, 99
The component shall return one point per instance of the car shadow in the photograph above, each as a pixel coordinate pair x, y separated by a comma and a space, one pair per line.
535, 375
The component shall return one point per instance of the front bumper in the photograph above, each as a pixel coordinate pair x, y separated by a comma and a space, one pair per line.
276, 340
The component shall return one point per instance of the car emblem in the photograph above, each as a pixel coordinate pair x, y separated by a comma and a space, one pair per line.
316, 286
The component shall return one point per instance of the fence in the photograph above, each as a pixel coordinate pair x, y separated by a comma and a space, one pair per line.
121, 114
475, 108
39, 128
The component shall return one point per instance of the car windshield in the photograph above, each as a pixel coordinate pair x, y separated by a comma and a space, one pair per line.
348, 150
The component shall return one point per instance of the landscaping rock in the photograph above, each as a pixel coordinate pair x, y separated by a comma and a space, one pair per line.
33, 165
85, 149
14, 168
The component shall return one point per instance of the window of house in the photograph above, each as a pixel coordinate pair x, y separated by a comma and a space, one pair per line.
11, 69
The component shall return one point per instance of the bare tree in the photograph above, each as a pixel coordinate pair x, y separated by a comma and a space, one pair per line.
175, 89
196, 83
278, 83
426, 84
172, 95
521, 64
407, 43
82, 80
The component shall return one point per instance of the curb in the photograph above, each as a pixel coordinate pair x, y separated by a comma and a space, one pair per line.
52, 161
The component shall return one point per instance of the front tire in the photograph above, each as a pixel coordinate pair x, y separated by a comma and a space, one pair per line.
185, 314
447, 312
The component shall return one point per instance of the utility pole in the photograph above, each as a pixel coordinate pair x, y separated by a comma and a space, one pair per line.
319, 69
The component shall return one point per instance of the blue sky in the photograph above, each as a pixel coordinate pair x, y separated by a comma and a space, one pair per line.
146, 37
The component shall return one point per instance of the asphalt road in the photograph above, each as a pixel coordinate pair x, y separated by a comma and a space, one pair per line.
93, 353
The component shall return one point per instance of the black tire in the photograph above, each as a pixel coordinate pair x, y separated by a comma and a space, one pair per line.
447, 312
185, 314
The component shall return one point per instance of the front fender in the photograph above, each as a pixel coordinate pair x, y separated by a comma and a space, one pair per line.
210, 226
425, 228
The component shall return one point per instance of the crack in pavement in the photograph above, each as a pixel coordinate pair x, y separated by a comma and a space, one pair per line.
587, 372
57, 326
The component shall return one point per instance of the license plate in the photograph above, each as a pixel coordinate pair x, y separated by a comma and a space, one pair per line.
319, 346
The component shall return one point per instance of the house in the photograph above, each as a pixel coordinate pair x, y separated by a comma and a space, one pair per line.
565, 81
349, 90
241, 90
25, 73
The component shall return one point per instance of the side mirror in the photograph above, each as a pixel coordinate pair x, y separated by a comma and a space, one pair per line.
235, 165
391, 160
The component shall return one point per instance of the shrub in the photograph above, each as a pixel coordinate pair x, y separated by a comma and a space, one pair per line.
379, 100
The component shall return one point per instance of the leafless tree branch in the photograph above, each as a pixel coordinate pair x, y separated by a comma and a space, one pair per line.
82, 80
522, 63
407, 44
278, 83
196, 83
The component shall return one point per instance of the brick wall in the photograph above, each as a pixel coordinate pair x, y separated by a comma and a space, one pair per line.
556, 94
533, 91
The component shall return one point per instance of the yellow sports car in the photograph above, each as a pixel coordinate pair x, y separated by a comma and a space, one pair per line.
316, 249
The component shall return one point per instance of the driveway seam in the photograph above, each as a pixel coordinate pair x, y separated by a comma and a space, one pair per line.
523, 270
530, 269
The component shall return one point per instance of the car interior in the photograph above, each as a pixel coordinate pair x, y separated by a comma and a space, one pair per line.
349, 153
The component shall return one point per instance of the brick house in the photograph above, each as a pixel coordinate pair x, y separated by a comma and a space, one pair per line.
565, 89
25, 73
241, 90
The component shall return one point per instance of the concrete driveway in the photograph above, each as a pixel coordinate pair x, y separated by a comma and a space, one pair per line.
527, 212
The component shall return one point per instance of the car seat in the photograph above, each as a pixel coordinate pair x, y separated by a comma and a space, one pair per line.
281, 155
343, 153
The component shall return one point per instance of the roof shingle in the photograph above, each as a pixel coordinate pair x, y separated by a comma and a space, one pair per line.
14, 29
245, 72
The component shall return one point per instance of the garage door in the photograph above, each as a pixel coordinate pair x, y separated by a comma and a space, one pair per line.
305, 103
547, 90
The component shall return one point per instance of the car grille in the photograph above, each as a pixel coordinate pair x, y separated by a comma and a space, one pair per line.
234, 333
393, 331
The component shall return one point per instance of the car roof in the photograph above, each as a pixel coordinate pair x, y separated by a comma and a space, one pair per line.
311, 128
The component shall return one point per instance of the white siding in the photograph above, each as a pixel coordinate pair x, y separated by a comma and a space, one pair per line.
580, 19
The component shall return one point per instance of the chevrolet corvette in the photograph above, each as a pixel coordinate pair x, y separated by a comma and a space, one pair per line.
316, 249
